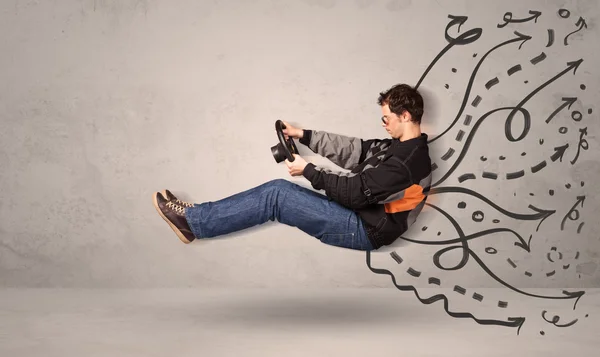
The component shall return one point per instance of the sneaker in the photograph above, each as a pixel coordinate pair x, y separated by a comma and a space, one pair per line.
171, 197
174, 215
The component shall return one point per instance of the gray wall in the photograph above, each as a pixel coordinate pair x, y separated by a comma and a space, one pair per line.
104, 102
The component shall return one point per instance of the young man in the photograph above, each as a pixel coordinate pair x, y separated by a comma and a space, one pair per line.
364, 210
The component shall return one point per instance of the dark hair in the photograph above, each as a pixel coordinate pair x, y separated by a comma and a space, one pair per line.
403, 97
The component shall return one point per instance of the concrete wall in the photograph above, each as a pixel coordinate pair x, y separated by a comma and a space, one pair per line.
104, 102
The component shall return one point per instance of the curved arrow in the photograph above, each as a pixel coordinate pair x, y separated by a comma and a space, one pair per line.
468, 252
541, 214
508, 18
508, 124
466, 38
469, 139
521, 243
520, 38
581, 23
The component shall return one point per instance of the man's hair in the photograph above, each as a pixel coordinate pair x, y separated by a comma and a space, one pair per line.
403, 97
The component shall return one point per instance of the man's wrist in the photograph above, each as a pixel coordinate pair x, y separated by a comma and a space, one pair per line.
305, 137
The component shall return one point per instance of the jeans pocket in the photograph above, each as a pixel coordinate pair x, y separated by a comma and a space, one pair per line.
338, 239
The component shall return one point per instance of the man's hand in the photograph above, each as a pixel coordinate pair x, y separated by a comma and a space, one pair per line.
291, 131
296, 168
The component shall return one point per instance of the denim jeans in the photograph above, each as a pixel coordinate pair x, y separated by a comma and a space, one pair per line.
287, 203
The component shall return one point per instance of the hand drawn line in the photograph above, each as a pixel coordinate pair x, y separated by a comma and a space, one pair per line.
464, 39
555, 319
538, 59
492, 82
568, 102
520, 38
514, 69
468, 252
581, 23
508, 18
508, 124
521, 243
550, 37
541, 214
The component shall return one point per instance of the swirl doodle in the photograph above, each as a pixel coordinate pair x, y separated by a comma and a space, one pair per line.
555, 320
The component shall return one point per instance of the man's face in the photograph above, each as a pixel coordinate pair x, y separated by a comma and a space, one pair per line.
394, 124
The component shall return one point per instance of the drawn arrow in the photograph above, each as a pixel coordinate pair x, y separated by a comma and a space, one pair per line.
570, 66
468, 252
508, 18
508, 124
541, 213
568, 101
581, 23
568, 295
559, 152
470, 139
521, 243
466, 38
520, 38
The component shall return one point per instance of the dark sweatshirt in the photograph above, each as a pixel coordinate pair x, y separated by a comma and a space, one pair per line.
387, 185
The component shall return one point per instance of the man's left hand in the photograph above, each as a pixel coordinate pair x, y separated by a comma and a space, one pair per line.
296, 168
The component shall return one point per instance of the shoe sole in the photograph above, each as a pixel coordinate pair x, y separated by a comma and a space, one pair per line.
175, 229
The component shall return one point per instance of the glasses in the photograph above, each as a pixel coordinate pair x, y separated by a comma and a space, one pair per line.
386, 121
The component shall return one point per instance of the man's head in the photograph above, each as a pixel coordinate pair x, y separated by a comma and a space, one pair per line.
402, 109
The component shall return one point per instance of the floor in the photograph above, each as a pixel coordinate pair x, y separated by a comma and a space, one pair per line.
284, 322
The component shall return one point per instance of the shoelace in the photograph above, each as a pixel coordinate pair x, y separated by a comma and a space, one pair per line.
183, 203
177, 208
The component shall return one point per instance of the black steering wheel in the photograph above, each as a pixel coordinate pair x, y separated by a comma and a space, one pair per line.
286, 148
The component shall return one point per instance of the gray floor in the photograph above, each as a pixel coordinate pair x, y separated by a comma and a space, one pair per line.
286, 322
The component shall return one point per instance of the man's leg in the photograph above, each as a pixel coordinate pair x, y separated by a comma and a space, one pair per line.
285, 202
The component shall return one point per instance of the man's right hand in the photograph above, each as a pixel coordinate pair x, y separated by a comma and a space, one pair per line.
292, 131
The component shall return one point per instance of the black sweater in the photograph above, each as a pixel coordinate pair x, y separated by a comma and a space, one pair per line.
387, 185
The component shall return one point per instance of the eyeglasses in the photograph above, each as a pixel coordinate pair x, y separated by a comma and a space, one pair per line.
386, 121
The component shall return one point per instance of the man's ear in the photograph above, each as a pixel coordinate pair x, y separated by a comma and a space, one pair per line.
405, 116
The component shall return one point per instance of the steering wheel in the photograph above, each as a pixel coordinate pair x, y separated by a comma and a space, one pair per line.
286, 148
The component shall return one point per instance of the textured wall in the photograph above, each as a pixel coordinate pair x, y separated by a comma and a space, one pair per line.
104, 102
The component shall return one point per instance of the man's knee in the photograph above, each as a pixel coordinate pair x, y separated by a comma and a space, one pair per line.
281, 183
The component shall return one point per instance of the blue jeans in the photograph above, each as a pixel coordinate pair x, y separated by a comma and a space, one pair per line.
287, 202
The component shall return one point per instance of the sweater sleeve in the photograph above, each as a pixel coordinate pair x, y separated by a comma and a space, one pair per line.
356, 191
342, 150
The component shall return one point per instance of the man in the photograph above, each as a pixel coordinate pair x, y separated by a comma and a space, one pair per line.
364, 210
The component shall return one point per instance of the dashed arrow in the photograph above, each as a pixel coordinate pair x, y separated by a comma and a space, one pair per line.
559, 152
